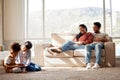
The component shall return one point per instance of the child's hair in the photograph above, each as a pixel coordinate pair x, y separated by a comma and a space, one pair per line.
28, 44
15, 47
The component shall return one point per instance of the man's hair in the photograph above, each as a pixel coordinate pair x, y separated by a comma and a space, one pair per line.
28, 44
15, 46
98, 24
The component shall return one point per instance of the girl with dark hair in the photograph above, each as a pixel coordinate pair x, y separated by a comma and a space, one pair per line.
78, 42
24, 57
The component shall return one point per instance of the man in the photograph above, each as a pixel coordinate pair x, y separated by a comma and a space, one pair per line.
97, 45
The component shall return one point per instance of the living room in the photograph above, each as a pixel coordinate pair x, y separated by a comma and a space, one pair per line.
40, 20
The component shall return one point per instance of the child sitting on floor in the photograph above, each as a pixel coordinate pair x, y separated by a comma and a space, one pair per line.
24, 57
9, 62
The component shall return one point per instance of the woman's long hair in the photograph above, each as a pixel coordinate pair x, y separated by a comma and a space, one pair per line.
80, 34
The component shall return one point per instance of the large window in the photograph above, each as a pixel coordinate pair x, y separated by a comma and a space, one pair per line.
60, 16
65, 16
48, 16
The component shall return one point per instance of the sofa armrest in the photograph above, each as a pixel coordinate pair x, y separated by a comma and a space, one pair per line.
110, 53
38, 51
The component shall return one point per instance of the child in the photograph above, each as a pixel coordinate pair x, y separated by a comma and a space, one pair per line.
9, 62
24, 57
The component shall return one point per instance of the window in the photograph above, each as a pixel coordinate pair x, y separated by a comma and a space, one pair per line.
60, 16
48, 16
112, 18
34, 28
65, 16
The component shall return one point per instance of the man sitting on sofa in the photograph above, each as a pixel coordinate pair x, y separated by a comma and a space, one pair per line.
97, 45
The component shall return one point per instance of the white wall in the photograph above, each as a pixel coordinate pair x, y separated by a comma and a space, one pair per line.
1, 22
13, 21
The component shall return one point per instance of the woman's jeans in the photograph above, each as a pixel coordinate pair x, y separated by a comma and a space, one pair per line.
70, 45
98, 51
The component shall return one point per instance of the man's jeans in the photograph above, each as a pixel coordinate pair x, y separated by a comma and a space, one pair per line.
70, 45
98, 51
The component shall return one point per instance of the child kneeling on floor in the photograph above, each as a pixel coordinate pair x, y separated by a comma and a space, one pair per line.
9, 62
24, 57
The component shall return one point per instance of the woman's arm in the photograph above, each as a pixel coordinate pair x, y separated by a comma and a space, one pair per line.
89, 38
75, 39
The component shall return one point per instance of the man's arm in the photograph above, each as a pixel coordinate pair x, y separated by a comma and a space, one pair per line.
105, 39
100, 39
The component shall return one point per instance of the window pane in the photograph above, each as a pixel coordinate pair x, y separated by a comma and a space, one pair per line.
35, 26
113, 18
108, 17
117, 47
65, 16
116, 18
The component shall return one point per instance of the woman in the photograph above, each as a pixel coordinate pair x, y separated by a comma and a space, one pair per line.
78, 42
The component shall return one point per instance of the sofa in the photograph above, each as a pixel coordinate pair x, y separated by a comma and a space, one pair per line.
71, 58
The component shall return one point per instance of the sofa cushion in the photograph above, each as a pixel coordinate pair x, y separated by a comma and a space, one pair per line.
59, 39
66, 54
81, 53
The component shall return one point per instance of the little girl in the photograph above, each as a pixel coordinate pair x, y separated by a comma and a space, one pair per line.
24, 57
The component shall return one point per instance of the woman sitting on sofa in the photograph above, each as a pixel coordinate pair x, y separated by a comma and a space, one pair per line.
78, 42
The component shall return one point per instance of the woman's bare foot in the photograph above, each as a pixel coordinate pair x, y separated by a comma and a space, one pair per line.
49, 50
57, 50
54, 50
